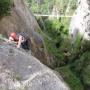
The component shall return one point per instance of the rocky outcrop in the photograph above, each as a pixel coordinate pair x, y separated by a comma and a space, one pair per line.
80, 22
21, 71
22, 20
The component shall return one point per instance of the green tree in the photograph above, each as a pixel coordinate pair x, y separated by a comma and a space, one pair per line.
46, 6
5, 6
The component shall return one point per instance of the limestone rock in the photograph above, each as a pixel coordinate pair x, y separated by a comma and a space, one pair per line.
21, 71
80, 22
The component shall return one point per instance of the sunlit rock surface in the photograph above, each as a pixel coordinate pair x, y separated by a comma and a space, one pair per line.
21, 71
80, 22
22, 20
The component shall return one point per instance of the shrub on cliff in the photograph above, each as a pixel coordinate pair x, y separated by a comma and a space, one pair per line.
5, 7
73, 81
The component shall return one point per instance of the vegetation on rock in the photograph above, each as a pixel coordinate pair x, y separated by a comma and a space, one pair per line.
70, 59
47, 6
5, 6
73, 81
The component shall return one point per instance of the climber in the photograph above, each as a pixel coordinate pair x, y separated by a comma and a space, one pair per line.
20, 40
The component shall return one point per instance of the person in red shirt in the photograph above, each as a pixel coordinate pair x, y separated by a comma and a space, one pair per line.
19, 39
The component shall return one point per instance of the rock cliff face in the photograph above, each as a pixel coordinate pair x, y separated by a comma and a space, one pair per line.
80, 22
20, 71
22, 20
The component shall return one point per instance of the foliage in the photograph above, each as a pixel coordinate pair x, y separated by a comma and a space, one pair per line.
73, 4
40, 6
86, 75
81, 67
54, 52
72, 61
70, 78
5, 6
46, 6
56, 45
55, 28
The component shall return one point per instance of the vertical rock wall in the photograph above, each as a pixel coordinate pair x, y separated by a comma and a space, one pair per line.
18, 71
80, 22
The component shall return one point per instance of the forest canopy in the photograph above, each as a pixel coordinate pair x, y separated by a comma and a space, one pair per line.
47, 6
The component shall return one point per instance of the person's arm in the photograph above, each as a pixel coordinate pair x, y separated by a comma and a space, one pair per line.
11, 39
19, 41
